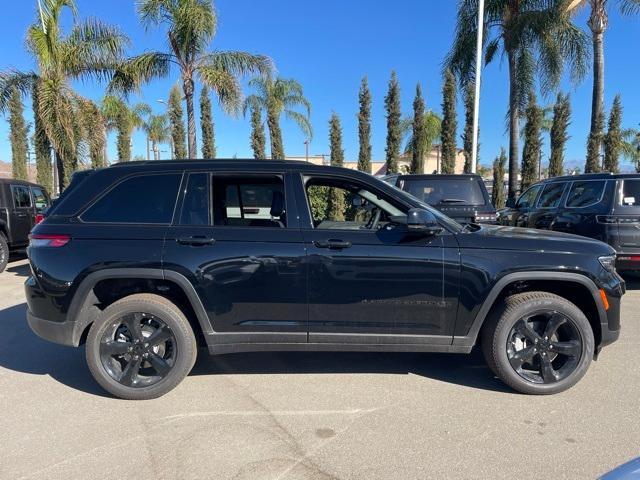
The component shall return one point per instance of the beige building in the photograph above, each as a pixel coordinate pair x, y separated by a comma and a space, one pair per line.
432, 162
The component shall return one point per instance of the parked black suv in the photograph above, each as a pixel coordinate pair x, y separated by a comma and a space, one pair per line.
144, 261
462, 197
603, 206
21, 207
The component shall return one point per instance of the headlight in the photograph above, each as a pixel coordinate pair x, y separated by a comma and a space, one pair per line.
608, 262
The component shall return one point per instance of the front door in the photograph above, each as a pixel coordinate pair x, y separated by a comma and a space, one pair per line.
21, 215
370, 281
233, 239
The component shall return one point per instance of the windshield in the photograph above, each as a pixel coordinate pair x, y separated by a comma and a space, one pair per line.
445, 191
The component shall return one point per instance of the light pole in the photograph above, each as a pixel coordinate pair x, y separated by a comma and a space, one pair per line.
173, 155
476, 99
306, 149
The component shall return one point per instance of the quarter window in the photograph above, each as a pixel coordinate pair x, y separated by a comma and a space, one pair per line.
39, 198
528, 198
146, 199
630, 193
551, 195
585, 193
21, 196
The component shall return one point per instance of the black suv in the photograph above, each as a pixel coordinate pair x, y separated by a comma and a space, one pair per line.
603, 206
462, 197
21, 207
145, 261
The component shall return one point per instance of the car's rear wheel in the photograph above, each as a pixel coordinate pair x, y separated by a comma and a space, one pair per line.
538, 343
140, 347
4, 252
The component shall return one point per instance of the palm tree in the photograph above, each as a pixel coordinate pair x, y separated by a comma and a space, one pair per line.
276, 97
598, 23
631, 146
90, 50
431, 131
536, 36
158, 131
125, 120
191, 26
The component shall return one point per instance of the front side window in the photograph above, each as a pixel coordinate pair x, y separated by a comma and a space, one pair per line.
585, 193
21, 196
143, 199
39, 198
249, 201
528, 198
551, 195
630, 193
445, 191
338, 204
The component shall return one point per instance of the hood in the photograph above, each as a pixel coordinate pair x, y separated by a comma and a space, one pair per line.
528, 239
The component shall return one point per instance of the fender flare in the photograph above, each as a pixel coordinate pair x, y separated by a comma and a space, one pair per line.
470, 338
83, 299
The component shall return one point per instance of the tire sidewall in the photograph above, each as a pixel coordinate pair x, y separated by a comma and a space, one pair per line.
508, 320
172, 317
4, 252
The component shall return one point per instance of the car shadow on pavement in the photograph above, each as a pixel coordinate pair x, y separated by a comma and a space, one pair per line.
21, 270
22, 351
466, 370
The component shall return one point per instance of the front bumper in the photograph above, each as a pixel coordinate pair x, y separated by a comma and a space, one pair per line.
63, 333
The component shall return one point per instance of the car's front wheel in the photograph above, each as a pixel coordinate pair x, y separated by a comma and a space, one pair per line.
538, 343
140, 347
4, 252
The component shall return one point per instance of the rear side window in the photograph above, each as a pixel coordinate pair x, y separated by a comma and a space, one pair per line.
435, 191
551, 195
21, 196
630, 193
141, 199
585, 193
195, 208
39, 198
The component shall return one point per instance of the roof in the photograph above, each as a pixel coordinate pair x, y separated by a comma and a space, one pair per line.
218, 161
435, 176
592, 176
14, 181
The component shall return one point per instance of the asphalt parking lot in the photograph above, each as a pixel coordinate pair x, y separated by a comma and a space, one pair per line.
310, 416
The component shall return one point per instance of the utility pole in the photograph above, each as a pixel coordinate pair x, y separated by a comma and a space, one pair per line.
476, 99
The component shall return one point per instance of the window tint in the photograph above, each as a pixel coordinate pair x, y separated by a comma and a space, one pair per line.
527, 199
435, 191
39, 198
336, 204
139, 199
21, 196
195, 208
585, 193
551, 195
630, 193
252, 201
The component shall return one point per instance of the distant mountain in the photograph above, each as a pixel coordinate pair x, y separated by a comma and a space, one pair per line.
5, 171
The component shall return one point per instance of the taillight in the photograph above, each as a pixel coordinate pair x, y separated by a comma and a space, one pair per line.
39, 218
618, 219
48, 240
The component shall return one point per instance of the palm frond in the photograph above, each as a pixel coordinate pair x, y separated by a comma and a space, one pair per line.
225, 85
13, 79
255, 102
238, 63
301, 120
134, 72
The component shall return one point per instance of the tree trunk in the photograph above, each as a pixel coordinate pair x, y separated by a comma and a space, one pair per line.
275, 135
514, 126
148, 151
597, 101
187, 85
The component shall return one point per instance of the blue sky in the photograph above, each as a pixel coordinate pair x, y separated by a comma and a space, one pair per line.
328, 46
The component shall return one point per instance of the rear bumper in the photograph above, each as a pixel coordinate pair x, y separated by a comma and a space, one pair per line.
62, 333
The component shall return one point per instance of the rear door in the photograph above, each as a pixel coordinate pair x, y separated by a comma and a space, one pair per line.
236, 238
21, 215
626, 212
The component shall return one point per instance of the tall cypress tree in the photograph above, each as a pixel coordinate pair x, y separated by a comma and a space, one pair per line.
336, 200
594, 143
364, 127
18, 131
123, 140
258, 140
44, 174
418, 147
613, 139
498, 193
559, 135
449, 124
467, 136
532, 142
176, 118
206, 124
394, 135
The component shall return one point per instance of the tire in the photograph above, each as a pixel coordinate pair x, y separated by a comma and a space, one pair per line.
140, 379
516, 331
4, 252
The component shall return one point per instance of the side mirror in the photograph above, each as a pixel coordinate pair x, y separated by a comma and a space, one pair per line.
423, 221
511, 202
